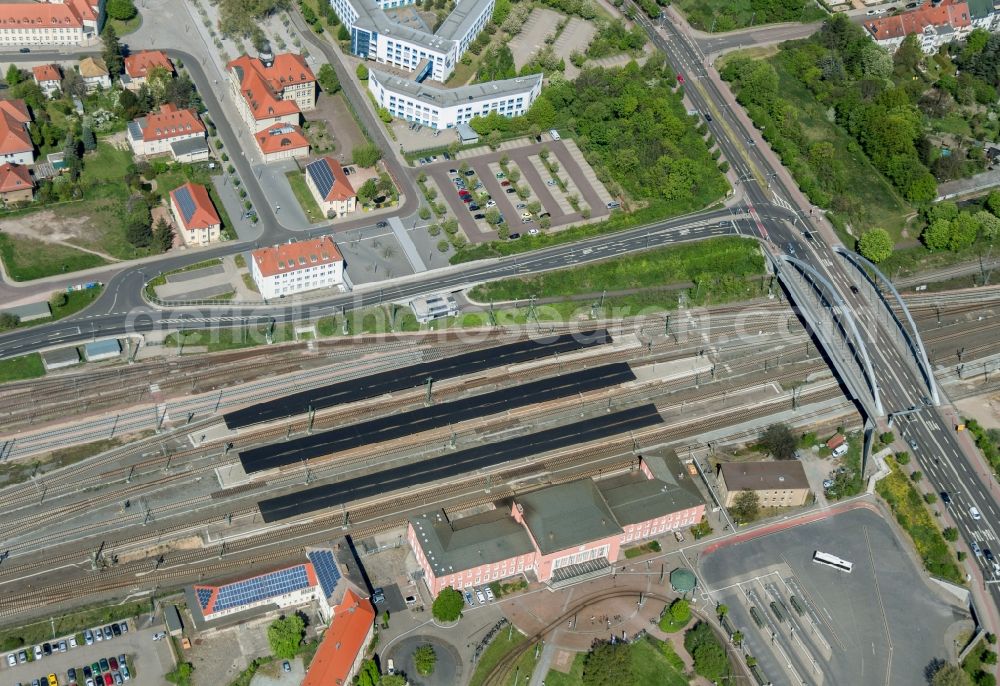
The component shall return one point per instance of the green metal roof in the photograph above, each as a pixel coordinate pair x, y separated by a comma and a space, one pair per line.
683, 580
456, 545
633, 498
567, 515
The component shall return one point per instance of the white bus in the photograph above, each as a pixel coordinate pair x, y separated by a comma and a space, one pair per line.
832, 561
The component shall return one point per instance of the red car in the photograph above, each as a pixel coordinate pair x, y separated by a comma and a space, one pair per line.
464, 193
108, 680
680, 78
505, 183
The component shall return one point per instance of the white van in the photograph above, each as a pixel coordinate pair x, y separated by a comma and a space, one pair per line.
390, 668
840, 450
554, 134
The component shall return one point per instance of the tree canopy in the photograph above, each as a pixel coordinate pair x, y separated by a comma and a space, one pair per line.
285, 636
424, 659
241, 17
779, 441
607, 664
122, 10
366, 155
708, 653
112, 52
448, 605
328, 80
875, 245
746, 506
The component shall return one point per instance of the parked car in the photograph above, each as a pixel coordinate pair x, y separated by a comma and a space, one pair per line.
87, 672
513, 236
90, 682
473, 207
521, 205
469, 172
22, 657
88, 637
489, 594
118, 678
480, 597
550, 183
53, 681
390, 666
126, 675
108, 679
505, 183
72, 642
452, 171
533, 231
109, 634
468, 598
124, 626
381, 225
678, 535
105, 667
527, 220
12, 660
159, 634
98, 633
501, 175
121, 660
378, 596
286, 666
71, 674
47, 649
113, 662
554, 134
62, 646
479, 216
491, 203
511, 190
96, 669
614, 205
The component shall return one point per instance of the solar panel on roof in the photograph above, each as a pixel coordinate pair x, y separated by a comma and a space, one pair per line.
185, 202
321, 176
261, 588
204, 596
326, 570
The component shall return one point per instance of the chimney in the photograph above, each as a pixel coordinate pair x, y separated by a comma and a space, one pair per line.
266, 56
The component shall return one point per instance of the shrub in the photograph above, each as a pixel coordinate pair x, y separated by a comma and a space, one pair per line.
449, 603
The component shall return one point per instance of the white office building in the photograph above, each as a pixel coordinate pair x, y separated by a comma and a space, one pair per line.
446, 108
412, 46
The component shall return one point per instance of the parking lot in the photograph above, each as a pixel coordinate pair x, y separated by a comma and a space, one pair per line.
147, 660
807, 623
470, 193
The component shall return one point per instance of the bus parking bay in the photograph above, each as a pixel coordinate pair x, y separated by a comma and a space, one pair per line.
844, 622
148, 660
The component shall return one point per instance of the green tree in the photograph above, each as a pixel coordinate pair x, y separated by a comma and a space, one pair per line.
122, 10
680, 611
534, 207
163, 235
362, 72
368, 190
58, 299
989, 224
876, 245
493, 216
8, 321
964, 230
366, 155
608, 664
707, 652
746, 506
951, 675
181, 675
424, 659
392, 680
369, 675
112, 52
343, 34
14, 75
993, 202
285, 636
327, 79
88, 139
448, 605
779, 441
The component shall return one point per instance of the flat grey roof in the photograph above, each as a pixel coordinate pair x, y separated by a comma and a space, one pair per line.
485, 538
633, 498
189, 145
30, 310
61, 355
449, 97
461, 19
761, 476
567, 515
173, 618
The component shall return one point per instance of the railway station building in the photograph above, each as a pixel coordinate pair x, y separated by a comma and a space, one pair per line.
557, 535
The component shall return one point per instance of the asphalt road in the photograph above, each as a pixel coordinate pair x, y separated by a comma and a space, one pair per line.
413, 376
901, 386
395, 426
451, 465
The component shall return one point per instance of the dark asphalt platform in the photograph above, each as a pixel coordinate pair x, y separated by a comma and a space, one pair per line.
412, 377
433, 417
454, 464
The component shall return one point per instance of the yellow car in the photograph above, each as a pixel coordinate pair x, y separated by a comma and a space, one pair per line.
53, 681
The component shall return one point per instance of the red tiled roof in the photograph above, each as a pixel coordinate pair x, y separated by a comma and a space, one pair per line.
17, 109
948, 13
138, 64
46, 72
14, 137
14, 177
279, 137
290, 257
170, 122
342, 642
261, 86
41, 15
203, 214
341, 188
83, 7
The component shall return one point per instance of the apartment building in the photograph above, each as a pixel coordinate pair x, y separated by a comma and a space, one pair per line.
291, 268
139, 64
15, 140
781, 483
178, 133
48, 77
195, 216
331, 188
446, 108
935, 23
271, 89
56, 22
281, 142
